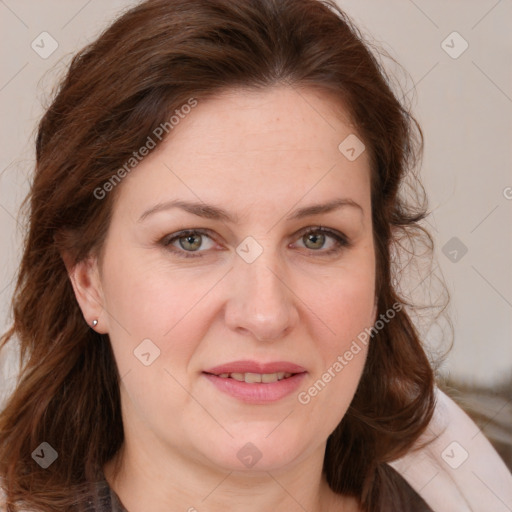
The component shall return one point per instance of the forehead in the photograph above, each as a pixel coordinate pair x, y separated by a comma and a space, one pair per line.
280, 118
254, 145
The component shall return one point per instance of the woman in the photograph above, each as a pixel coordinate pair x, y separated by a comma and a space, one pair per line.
205, 304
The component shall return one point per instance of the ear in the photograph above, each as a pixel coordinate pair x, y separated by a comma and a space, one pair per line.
86, 282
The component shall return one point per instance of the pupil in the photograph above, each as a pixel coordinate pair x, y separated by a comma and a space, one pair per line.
189, 240
315, 238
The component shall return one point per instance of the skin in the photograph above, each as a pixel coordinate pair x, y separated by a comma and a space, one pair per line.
259, 155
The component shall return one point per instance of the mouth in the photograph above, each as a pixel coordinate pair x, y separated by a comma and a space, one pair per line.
256, 383
255, 378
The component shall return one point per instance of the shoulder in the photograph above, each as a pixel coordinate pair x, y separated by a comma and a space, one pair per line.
458, 469
404, 497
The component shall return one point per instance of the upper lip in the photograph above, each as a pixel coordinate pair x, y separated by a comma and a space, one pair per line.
256, 367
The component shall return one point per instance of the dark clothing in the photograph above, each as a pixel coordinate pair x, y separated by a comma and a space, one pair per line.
104, 499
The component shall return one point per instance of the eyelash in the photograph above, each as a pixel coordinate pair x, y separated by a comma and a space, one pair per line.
341, 241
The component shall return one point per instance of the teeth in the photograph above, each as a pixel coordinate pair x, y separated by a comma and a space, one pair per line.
252, 378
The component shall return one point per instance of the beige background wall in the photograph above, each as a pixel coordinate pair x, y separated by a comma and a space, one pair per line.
463, 103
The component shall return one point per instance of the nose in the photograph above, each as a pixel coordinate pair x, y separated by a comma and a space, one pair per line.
261, 302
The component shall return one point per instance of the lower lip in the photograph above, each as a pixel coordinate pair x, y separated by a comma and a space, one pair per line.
257, 393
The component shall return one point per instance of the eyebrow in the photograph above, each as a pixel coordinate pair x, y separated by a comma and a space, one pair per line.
209, 211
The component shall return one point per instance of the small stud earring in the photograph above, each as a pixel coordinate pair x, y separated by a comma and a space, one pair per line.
94, 323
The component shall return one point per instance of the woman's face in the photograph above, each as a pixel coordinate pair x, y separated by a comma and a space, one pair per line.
253, 173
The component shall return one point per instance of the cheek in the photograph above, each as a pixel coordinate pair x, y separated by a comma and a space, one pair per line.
150, 298
160, 306
327, 395
347, 312
345, 304
148, 302
345, 307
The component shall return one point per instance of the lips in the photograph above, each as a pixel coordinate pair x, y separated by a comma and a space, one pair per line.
256, 383
256, 367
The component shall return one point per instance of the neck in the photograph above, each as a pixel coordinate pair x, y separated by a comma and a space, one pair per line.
179, 483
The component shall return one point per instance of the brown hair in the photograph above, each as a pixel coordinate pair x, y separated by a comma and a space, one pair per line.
117, 91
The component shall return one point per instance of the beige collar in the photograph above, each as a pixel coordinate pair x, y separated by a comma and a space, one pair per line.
459, 471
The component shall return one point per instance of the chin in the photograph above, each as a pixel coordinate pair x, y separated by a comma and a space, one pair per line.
256, 452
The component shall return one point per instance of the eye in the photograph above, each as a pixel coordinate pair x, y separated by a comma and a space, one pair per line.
188, 241
316, 238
